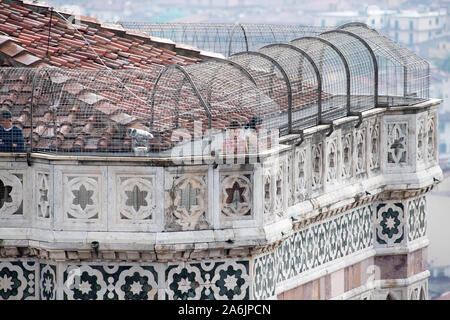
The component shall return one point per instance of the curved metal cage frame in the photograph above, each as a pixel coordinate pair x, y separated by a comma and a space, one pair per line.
214, 97
271, 78
334, 71
305, 82
403, 76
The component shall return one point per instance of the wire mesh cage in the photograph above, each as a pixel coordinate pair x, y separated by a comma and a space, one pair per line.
362, 68
212, 108
304, 83
234, 106
270, 78
403, 77
78, 111
334, 74
222, 37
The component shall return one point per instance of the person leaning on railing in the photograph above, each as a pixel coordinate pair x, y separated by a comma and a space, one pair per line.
11, 137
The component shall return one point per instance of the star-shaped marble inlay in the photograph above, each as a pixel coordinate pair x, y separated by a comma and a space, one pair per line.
136, 287
83, 197
48, 284
230, 282
235, 194
85, 287
136, 198
5, 283
390, 223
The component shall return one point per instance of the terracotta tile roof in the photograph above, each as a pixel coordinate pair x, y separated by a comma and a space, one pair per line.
67, 45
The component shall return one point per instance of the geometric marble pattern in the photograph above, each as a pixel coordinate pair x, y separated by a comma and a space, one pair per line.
390, 223
136, 199
236, 196
110, 282
42, 195
312, 247
207, 280
418, 291
397, 143
360, 150
82, 197
18, 280
431, 137
228, 280
47, 282
417, 223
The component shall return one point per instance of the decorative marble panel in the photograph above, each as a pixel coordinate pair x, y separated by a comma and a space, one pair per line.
213, 280
110, 282
236, 196
186, 202
397, 143
421, 138
317, 166
332, 160
311, 248
136, 199
290, 171
43, 197
264, 274
82, 197
431, 144
280, 187
346, 153
268, 195
417, 222
390, 224
418, 291
48, 282
360, 150
300, 174
18, 280
11, 194
374, 144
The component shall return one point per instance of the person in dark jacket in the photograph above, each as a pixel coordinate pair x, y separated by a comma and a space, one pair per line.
11, 137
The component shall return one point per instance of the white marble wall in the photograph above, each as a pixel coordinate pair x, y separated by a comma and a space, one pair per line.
63, 205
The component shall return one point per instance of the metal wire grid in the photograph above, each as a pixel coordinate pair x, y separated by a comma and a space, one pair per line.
224, 38
362, 68
333, 74
15, 95
201, 102
303, 82
270, 79
403, 77
78, 111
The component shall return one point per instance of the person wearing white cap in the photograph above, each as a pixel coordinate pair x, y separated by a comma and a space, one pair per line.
11, 137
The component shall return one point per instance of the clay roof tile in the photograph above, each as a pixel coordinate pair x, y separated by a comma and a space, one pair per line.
11, 49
